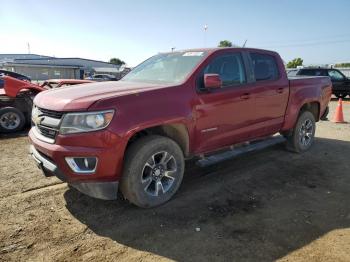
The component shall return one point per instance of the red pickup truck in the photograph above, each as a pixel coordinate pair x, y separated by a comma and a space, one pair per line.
136, 133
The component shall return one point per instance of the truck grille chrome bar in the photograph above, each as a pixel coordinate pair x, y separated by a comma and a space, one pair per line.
46, 123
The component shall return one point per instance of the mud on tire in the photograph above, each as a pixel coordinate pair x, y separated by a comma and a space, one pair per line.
153, 171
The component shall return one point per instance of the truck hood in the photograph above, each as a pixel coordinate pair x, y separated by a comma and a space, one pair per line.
80, 97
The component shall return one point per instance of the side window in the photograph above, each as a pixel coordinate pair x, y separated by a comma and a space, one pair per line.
318, 73
335, 75
230, 68
312, 72
265, 67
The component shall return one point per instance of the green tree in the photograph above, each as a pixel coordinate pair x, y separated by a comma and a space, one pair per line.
225, 43
295, 63
116, 61
342, 65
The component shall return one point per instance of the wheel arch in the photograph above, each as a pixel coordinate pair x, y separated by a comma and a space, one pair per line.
175, 131
313, 107
293, 112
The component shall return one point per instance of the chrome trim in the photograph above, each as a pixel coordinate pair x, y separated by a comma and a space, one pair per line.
42, 160
209, 130
41, 137
76, 169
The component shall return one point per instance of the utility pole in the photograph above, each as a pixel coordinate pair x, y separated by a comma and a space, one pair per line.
28, 46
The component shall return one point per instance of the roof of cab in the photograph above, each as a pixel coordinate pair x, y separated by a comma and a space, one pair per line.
215, 49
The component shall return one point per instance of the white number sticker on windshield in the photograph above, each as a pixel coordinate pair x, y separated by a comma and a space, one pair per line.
193, 54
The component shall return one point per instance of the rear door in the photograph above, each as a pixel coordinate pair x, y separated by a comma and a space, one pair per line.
270, 93
223, 116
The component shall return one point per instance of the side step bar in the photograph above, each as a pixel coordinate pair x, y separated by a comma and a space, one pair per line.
254, 146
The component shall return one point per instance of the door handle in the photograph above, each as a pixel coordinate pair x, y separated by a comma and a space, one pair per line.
279, 90
245, 96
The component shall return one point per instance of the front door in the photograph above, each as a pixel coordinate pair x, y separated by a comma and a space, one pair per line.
223, 115
340, 86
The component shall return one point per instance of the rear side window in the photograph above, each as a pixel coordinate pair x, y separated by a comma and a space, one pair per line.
312, 72
265, 67
230, 69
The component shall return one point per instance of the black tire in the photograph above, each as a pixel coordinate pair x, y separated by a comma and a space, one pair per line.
143, 163
11, 120
303, 133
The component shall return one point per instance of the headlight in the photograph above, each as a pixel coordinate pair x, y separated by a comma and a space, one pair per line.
85, 122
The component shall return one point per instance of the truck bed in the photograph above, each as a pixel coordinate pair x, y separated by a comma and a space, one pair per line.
305, 89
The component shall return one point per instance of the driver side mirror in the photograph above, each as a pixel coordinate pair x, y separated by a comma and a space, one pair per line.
212, 81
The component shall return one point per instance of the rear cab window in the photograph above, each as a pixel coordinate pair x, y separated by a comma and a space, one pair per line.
264, 67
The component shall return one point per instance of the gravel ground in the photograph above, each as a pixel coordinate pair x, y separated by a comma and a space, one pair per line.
262, 206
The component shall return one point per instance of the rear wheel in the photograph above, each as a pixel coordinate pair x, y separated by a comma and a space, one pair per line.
11, 120
153, 171
303, 134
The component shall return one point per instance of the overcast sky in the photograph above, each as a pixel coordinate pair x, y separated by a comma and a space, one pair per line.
317, 31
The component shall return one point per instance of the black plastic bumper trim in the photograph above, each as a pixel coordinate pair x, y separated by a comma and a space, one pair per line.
101, 190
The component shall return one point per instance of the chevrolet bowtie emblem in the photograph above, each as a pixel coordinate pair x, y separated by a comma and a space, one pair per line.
37, 120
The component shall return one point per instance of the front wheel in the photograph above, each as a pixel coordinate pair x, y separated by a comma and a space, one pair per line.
153, 171
303, 134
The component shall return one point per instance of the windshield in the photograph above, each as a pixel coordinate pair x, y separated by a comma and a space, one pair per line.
172, 68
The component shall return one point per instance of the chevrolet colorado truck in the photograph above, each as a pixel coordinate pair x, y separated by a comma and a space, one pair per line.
135, 134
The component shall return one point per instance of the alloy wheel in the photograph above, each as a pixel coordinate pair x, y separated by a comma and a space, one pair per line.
159, 173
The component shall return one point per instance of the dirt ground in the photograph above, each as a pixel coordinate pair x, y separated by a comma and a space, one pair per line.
263, 206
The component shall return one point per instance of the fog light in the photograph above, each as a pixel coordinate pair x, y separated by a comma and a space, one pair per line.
82, 165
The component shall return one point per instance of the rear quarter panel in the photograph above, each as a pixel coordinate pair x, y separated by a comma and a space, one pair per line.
305, 90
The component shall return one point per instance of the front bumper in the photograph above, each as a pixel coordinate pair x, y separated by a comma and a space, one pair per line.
107, 147
101, 190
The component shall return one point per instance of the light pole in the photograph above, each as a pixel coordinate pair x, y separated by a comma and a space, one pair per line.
205, 35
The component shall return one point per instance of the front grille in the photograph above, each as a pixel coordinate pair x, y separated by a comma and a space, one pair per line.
47, 122
50, 113
48, 132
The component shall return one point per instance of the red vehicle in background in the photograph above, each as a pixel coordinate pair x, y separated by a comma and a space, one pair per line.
16, 99
136, 133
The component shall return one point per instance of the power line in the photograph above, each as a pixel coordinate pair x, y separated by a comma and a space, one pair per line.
309, 44
306, 41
